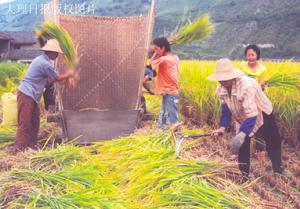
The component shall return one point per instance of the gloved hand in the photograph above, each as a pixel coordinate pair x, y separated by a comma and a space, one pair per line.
237, 142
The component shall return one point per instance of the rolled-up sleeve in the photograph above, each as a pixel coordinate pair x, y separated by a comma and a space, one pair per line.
155, 63
225, 116
248, 102
247, 125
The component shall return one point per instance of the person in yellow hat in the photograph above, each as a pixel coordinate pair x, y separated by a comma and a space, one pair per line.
243, 100
30, 91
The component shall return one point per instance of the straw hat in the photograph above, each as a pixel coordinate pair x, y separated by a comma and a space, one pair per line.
225, 71
52, 45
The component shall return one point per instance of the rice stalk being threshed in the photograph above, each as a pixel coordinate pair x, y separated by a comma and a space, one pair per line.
195, 31
51, 30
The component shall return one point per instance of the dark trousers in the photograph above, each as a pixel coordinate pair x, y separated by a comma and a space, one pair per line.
270, 134
143, 104
28, 122
49, 96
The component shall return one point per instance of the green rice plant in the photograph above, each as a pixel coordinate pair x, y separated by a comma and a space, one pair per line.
200, 92
7, 133
150, 167
57, 158
153, 103
139, 171
12, 71
282, 89
281, 75
2, 90
83, 199
53, 30
199, 189
10, 76
11, 86
81, 176
73, 186
287, 81
195, 31
89, 198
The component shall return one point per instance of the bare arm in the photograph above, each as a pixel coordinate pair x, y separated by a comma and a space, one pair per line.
67, 74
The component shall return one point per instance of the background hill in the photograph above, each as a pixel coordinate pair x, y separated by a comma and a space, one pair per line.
274, 24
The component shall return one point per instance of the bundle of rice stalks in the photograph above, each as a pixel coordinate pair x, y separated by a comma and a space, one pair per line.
151, 172
287, 81
74, 187
283, 75
139, 171
56, 158
193, 31
51, 30
187, 196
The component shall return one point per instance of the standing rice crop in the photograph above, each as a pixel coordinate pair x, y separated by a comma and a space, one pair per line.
10, 76
282, 81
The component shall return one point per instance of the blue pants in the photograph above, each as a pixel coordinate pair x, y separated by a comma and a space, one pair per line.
169, 111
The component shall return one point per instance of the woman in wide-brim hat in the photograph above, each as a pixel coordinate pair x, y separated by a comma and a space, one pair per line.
225, 71
40, 72
243, 100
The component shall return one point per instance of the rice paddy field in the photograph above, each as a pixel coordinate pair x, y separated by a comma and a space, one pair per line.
142, 170
283, 83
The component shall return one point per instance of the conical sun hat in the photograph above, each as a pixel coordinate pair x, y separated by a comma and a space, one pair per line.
225, 71
52, 45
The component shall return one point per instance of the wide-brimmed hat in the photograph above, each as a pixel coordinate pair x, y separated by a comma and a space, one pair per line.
225, 71
52, 45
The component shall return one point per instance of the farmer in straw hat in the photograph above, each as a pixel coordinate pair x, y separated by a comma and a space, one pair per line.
243, 100
40, 72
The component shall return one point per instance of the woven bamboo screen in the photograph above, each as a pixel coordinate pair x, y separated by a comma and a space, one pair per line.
112, 53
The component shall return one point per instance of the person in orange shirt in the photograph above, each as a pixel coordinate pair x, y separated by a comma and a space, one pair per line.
167, 82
